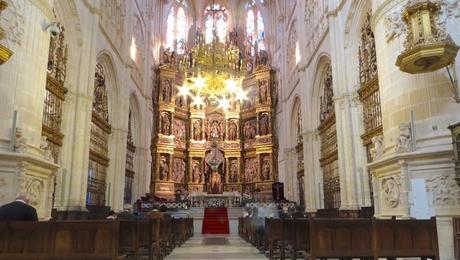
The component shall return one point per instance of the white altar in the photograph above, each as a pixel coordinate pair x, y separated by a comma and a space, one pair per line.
226, 199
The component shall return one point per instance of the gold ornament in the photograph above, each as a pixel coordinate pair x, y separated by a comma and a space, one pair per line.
427, 46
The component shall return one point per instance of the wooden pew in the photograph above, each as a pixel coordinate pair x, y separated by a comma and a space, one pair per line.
23, 240
83, 240
275, 237
95, 239
337, 238
128, 242
456, 222
297, 241
406, 238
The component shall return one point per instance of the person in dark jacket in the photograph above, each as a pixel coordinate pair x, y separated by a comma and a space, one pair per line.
18, 210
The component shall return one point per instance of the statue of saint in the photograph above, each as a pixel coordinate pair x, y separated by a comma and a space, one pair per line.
163, 168
166, 93
234, 172
264, 125
266, 169
263, 91
196, 172
232, 130
165, 124
197, 130
215, 133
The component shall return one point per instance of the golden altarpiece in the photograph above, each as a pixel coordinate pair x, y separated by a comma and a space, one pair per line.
206, 146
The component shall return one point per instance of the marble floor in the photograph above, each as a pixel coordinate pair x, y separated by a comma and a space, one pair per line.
215, 247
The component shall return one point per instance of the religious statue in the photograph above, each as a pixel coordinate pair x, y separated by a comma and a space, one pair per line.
264, 125
44, 146
196, 129
266, 169
378, 147
165, 124
166, 55
250, 170
263, 91
196, 171
216, 181
214, 130
178, 170
234, 171
249, 130
232, 130
164, 170
179, 129
166, 91
262, 58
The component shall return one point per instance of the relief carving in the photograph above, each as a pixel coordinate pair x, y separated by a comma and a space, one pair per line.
394, 26
12, 22
34, 189
391, 192
178, 170
444, 190
250, 170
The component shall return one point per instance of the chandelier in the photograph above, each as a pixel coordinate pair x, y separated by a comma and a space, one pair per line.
213, 71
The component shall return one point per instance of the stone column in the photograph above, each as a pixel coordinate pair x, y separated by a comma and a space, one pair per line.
429, 97
348, 143
23, 163
312, 195
71, 188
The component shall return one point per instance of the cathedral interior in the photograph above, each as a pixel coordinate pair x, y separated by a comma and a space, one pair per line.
327, 109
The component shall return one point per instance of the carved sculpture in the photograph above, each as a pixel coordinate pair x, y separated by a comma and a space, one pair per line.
249, 130
166, 91
263, 91
264, 126
390, 192
164, 169
250, 170
403, 141
178, 170
46, 149
20, 143
179, 129
232, 130
196, 170
234, 171
197, 129
165, 124
394, 26
265, 176
34, 191
378, 147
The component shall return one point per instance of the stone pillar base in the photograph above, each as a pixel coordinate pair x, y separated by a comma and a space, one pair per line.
21, 172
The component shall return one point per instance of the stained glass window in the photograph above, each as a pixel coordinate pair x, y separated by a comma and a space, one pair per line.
216, 22
255, 28
176, 31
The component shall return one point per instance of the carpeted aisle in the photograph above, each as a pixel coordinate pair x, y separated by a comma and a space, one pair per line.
215, 221
216, 247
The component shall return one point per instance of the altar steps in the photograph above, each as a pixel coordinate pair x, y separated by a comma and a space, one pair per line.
215, 221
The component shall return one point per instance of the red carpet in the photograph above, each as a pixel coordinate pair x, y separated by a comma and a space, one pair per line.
215, 221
